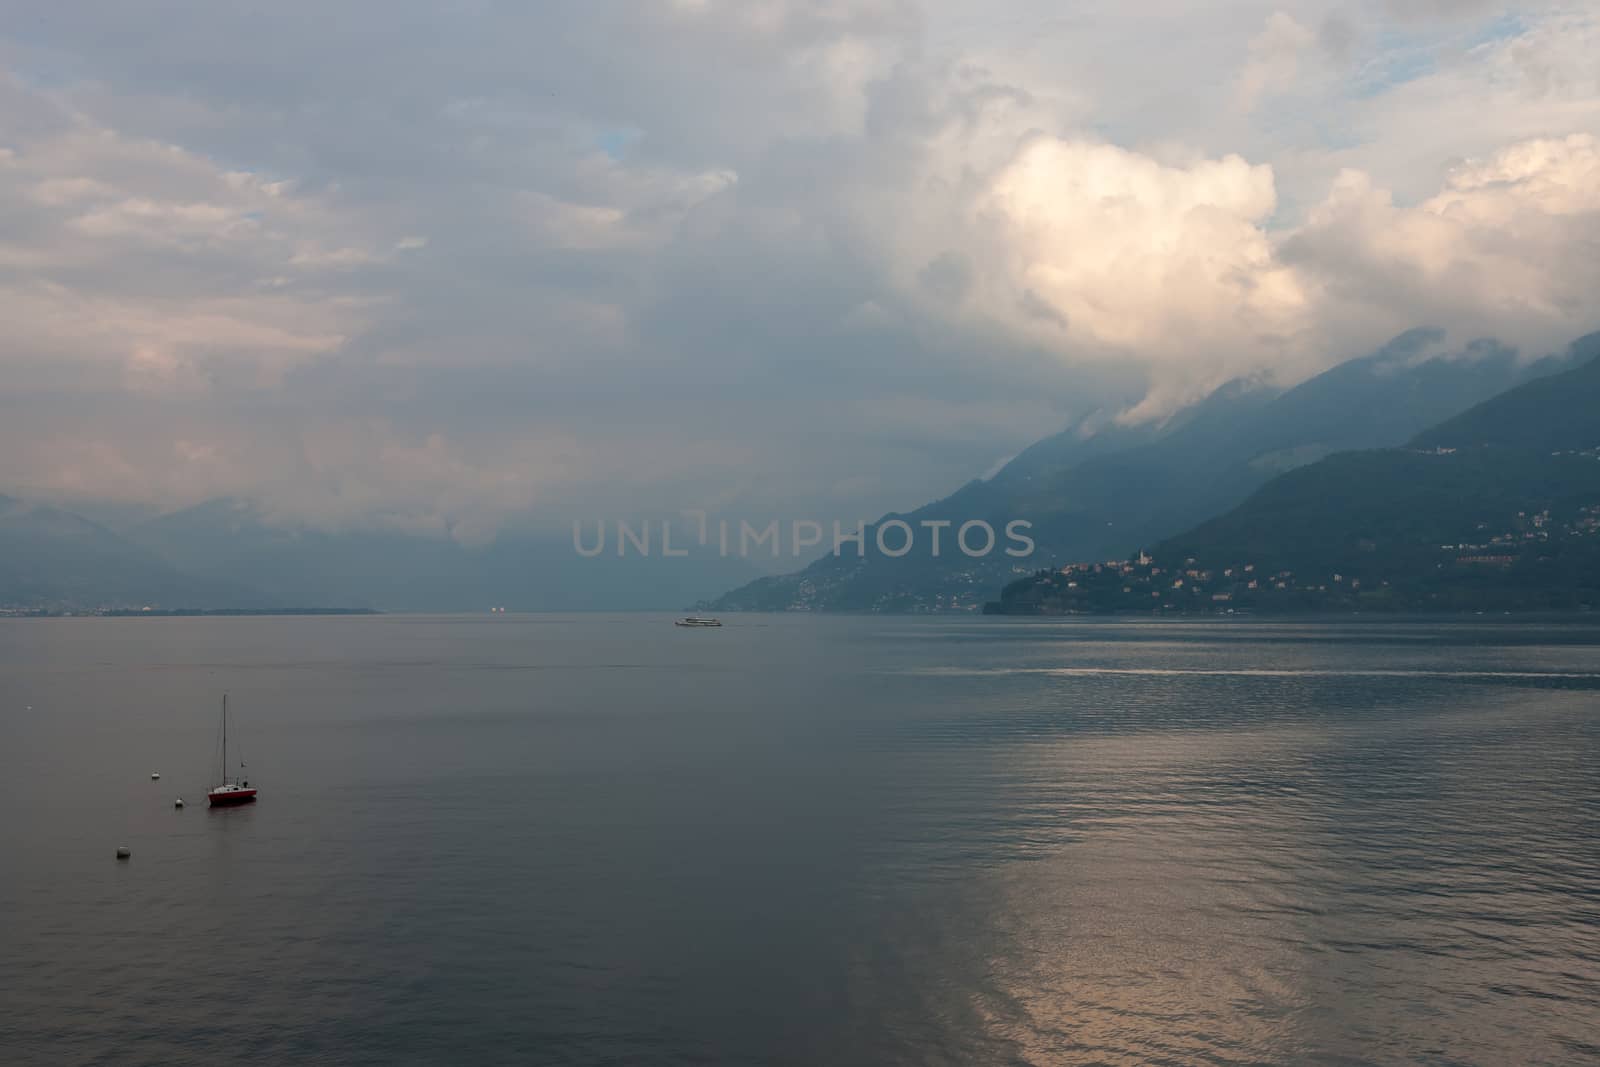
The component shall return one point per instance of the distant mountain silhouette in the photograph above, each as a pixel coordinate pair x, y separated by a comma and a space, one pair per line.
229, 554
1552, 413
234, 541
1098, 490
54, 559
1104, 496
1497, 508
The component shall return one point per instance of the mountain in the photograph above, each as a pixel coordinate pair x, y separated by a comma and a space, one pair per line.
1552, 413
1098, 490
1104, 495
235, 541
54, 560
231, 555
1026, 487
230, 540
1497, 508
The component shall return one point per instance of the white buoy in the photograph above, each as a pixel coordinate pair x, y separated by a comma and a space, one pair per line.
155, 776
178, 803
124, 852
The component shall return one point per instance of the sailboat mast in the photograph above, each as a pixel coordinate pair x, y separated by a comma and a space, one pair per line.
224, 737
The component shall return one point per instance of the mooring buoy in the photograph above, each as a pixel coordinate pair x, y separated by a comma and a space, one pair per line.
124, 852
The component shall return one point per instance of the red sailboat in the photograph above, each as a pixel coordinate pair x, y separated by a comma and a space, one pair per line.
234, 790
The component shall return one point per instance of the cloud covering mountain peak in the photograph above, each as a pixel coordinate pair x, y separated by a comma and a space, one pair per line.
452, 268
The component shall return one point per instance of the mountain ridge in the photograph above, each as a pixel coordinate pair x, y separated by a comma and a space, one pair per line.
1479, 512
1106, 502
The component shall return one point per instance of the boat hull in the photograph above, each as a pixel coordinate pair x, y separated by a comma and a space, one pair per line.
232, 798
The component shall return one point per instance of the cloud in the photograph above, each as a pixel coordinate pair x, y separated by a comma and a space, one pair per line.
1507, 247
1275, 55
459, 267
1130, 256
1098, 253
128, 254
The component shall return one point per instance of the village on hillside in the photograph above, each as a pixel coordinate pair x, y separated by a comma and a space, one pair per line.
1489, 563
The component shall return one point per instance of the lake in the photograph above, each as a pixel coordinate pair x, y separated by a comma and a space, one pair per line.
599, 839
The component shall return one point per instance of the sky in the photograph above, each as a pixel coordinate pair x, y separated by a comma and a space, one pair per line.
461, 266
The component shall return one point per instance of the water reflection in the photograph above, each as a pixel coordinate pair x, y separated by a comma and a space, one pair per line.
829, 841
1399, 880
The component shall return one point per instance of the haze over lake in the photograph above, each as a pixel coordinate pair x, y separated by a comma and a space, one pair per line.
595, 839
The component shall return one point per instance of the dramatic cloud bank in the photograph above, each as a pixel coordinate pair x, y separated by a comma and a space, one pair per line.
449, 268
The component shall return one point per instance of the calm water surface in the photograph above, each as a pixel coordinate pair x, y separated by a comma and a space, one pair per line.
596, 840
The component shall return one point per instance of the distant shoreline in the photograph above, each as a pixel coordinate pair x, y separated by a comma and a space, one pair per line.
169, 613
1583, 615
